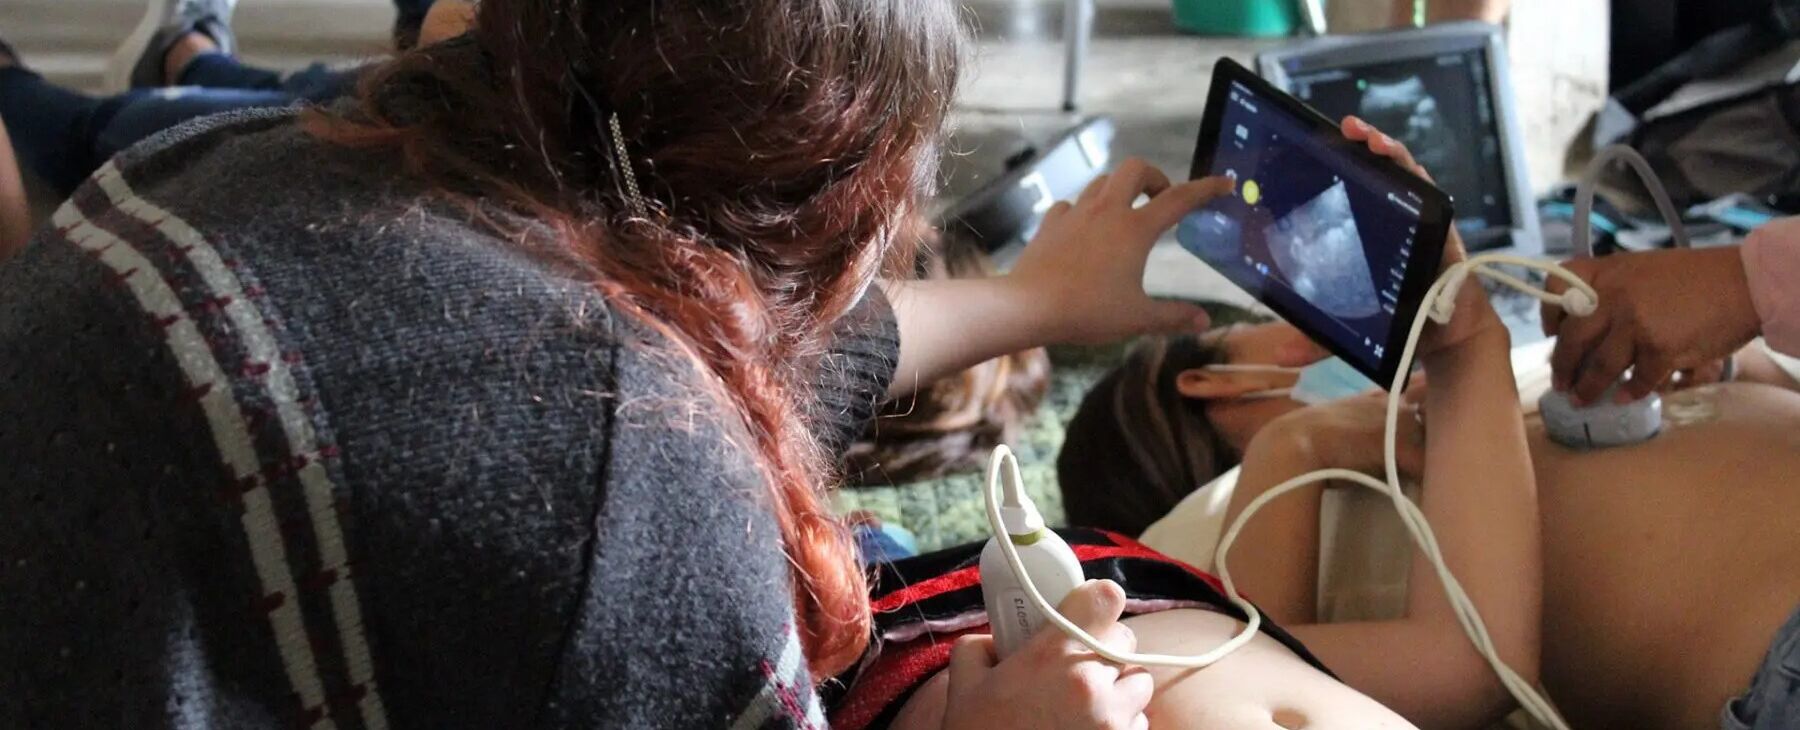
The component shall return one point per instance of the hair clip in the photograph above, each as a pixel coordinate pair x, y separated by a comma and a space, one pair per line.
622, 169
620, 159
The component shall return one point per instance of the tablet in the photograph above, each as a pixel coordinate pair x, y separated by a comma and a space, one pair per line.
1339, 241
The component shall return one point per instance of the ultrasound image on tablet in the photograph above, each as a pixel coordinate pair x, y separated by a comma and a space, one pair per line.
1316, 246
1318, 235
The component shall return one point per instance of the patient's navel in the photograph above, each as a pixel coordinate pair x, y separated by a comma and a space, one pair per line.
1289, 719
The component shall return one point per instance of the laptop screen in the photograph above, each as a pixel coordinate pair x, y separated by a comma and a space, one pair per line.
1441, 107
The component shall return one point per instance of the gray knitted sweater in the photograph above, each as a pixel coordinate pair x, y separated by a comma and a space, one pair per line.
286, 443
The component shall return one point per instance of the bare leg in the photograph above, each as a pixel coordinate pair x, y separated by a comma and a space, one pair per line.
15, 210
184, 50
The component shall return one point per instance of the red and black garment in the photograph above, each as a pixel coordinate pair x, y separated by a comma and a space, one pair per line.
923, 604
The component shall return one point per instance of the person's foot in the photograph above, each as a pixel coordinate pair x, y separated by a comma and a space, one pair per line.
143, 60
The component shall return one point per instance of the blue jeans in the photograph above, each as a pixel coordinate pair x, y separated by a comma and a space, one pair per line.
1773, 700
63, 136
883, 544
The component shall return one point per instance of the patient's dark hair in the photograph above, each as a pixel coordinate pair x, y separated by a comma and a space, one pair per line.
1137, 446
953, 424
780, 145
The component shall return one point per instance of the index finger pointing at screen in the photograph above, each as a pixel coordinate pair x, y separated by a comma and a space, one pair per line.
1169, 207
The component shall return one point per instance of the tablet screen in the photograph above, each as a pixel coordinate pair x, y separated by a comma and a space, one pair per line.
1323, 236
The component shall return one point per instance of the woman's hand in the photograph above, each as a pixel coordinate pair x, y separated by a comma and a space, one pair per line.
1474, 313
1053, 683
1085, 268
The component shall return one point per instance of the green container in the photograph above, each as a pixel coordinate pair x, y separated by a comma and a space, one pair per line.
1253, 18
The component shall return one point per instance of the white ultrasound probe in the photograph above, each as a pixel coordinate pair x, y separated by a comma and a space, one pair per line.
1605, 424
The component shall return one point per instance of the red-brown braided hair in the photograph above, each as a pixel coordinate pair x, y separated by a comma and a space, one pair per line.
780, 145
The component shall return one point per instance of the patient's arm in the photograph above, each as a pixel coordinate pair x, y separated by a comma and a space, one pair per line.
1342, 435
1755, 366
1481, 500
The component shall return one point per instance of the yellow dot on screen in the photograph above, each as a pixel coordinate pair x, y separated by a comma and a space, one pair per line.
1252, 192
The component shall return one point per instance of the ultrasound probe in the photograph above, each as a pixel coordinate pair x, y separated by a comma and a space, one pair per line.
1604, 423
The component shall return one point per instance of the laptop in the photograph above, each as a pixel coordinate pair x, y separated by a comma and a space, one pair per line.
1445, 91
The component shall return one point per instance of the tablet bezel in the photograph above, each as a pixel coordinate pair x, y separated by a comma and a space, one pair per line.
1435, 214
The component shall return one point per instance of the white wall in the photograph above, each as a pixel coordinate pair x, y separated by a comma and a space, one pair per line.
1559, 55
1559, 50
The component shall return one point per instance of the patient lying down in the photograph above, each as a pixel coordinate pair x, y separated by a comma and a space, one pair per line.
1416, 670
1668, 567
1412, 671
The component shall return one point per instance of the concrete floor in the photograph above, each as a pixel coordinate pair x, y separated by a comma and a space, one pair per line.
1150, 78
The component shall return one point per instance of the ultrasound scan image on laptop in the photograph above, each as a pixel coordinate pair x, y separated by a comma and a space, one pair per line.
1444, 91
